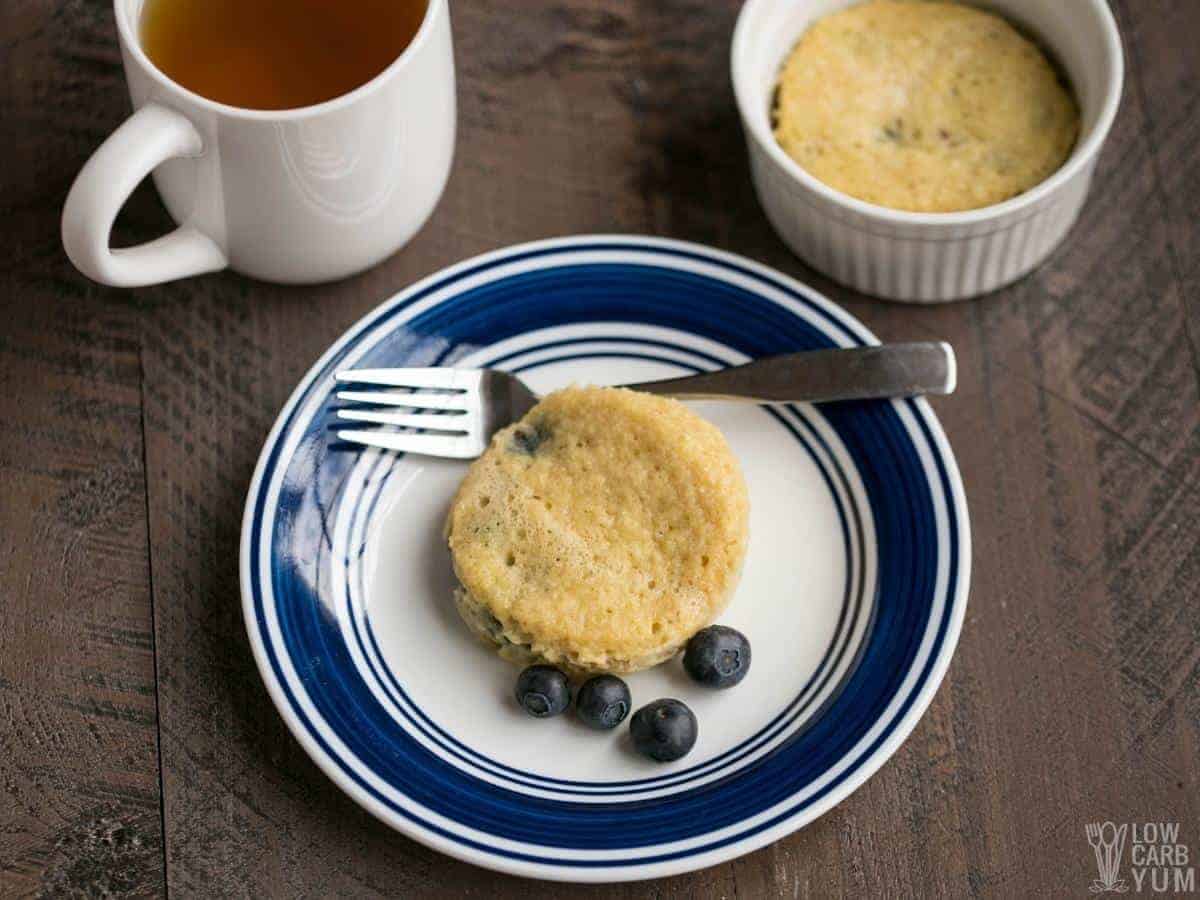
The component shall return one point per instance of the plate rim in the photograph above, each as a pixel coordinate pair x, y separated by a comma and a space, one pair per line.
939, 446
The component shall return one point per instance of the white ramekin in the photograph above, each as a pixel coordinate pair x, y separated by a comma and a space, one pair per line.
926, 257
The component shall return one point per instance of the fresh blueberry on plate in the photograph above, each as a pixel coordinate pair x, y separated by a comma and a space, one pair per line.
664, 730
603, 702
717, 656
543, 691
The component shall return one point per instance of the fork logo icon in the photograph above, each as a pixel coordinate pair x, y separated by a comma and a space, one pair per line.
1108, 843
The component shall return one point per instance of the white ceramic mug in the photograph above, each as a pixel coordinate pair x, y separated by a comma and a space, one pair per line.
926, 257
294, 196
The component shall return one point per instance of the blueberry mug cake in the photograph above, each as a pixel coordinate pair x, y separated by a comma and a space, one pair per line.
600, 532
923, 106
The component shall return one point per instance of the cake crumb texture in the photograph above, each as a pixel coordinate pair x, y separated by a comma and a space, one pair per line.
923, 106
600, 532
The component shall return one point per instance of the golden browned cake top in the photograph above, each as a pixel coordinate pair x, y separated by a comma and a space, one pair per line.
923, 106
602, 530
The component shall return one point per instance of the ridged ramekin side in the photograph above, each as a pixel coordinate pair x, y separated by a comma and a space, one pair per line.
914, 262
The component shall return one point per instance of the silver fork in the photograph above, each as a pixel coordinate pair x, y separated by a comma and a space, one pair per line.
455, 412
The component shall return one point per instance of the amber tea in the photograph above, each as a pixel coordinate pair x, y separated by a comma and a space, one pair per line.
276, 54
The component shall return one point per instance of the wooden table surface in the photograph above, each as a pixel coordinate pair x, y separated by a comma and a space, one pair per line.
139, 751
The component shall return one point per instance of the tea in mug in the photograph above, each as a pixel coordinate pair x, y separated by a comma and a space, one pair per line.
276, 54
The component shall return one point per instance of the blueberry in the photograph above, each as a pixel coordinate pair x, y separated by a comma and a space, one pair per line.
543, 691
603, 702
717, 656
528, 437
664, 730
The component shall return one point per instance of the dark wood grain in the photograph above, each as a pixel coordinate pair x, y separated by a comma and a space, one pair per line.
78, 751
131, 422
79, 774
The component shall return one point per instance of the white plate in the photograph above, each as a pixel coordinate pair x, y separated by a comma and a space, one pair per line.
853, 593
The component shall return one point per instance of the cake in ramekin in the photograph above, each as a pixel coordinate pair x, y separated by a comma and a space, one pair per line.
923, 106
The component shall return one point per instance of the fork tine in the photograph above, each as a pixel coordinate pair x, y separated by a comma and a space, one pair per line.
415, 401
455, 446
451, 379
456, 424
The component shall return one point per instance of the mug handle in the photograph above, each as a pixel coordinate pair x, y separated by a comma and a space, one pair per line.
148, 138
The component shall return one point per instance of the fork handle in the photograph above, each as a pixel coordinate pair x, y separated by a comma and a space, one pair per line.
817, 376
